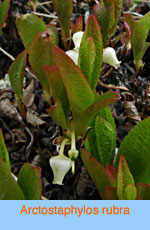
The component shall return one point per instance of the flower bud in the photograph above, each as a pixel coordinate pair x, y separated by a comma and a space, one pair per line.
109, 57
60, 165
73, 154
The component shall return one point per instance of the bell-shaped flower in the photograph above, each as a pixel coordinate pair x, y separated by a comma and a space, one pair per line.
109, 57
74, 54
60, 165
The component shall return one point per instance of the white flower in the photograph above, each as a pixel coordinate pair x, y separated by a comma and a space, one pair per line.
109, 54
74, 54
109, 57
60, 165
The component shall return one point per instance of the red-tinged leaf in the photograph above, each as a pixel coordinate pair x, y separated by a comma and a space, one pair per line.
16, 73
136, 150
102, 18
55, 81
79, 24
40, 54
29, 180
78, 90
110, 193
96, 171
130, 192
29, 26
3, 12
3, 151
143, 191
52, 31
73, 27
124, 178
104, 140
90, 54
112, 175
64, 11
110, 8
57, 113
94, 109
9, 190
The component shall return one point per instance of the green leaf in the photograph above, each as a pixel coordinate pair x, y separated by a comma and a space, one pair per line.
30, 182
107, 115
90, 54
52, 31
57, 113
9, 190
29, 26
145, 21
118, 10
136, 150
16, 73
124, 178
64, 11
89, 114
130, 192
78, 90
3, 151
138, 39
110, 8
96, 171
101, 16
143, 191
110, 193
40, 54
104, 140
3, 12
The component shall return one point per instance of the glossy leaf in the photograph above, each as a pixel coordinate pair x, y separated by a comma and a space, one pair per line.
110, 193
64, 11
9, 190
16, 73
3, 12
30, 182
40, 54
101, 16
143, 191
78, 90
3, 151
136, 150
90, 54
124, 178
96, 171
29, 26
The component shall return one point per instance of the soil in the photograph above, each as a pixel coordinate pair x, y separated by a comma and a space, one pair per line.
34, 141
